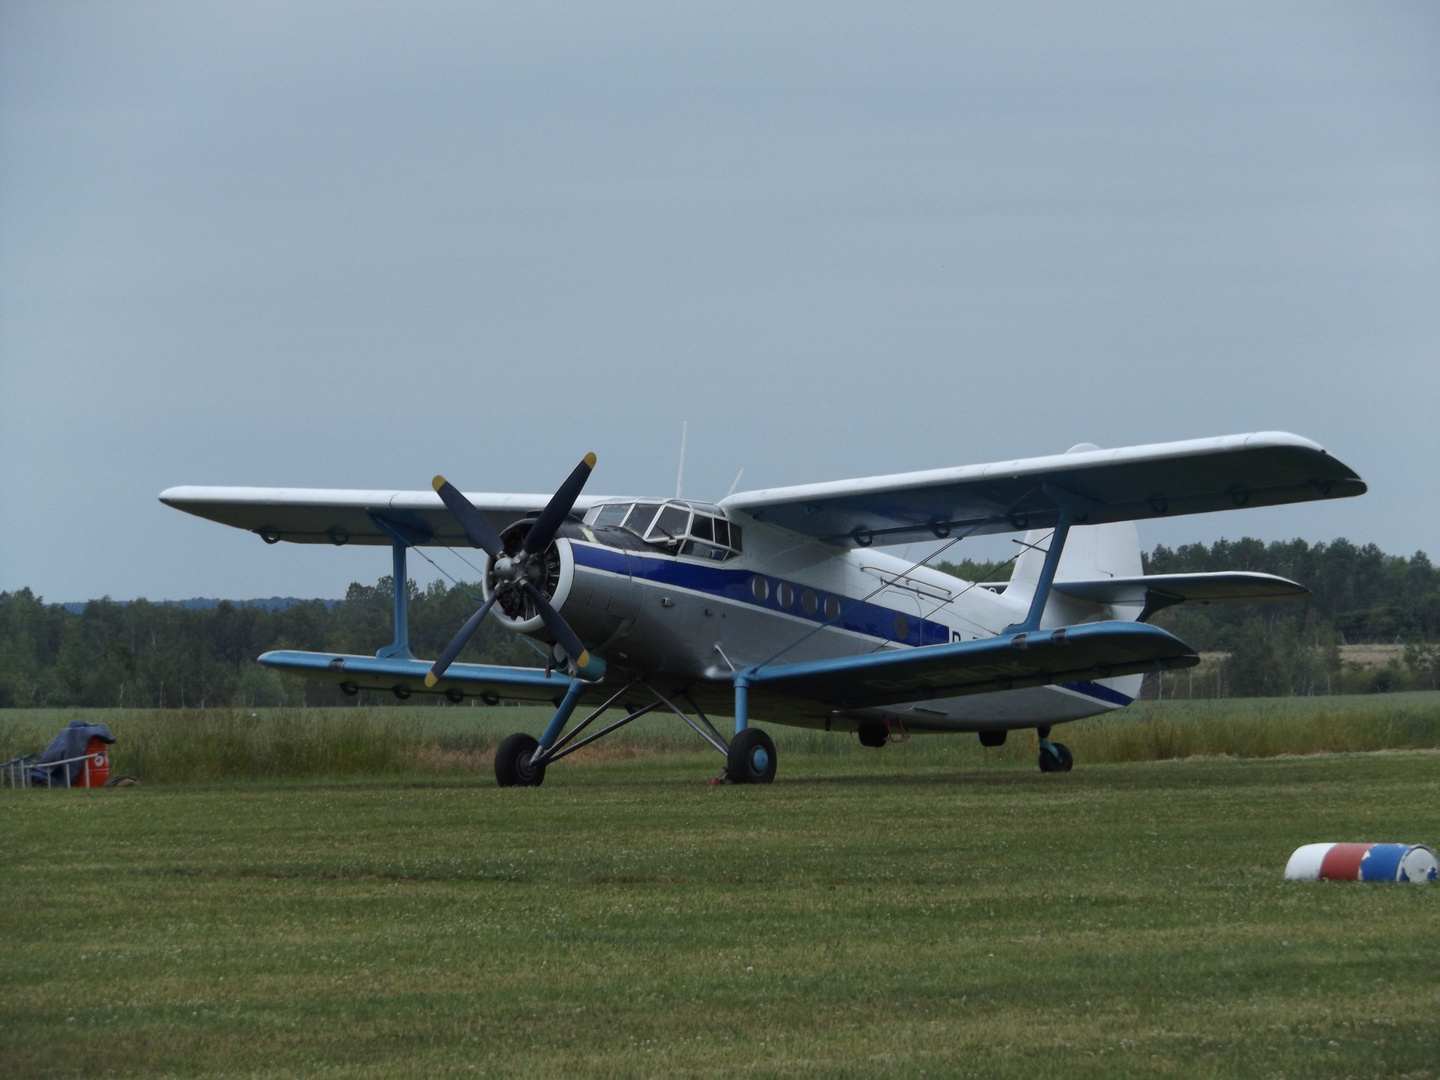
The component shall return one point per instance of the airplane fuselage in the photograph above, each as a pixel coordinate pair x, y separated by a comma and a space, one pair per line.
691, 614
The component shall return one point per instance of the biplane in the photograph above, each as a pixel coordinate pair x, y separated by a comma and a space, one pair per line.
782, 605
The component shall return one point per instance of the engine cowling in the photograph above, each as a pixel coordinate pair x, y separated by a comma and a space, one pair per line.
552, 572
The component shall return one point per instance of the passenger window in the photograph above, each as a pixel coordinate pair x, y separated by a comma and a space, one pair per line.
611, 515
832, 608
672, 522
703, 528
809, 602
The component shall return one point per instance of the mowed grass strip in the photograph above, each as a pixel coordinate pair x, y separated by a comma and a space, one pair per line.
889, 918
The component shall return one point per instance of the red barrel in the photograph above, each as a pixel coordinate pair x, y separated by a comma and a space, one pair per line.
97, 770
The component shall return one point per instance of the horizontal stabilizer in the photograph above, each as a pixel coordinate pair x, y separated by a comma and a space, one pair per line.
1162, 590
1010, 661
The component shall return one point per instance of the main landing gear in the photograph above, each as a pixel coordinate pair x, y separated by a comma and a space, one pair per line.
1054, 757
751, 759
514, 762
520, 760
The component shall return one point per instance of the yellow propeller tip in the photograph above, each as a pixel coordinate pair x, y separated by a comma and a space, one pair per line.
584, 660
590, 460
438, 483
430, 679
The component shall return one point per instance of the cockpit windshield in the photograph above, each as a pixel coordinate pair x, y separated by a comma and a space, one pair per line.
698, 530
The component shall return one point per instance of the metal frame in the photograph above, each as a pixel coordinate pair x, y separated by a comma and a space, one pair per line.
554, 745
20, 769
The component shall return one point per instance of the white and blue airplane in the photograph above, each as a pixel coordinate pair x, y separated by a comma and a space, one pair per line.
781, 604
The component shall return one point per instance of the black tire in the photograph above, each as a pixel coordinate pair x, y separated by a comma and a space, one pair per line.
401, 691
349, 689
1060, 761
873, 735
512, 762
455, 696
993, 738
752, 758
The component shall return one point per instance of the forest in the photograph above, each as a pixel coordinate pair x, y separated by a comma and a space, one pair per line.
161, 655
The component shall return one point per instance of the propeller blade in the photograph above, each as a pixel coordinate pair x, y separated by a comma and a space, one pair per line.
559, 628
458, 642
554, 514
471, 520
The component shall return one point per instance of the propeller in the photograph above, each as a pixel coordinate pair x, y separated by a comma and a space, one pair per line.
512, 572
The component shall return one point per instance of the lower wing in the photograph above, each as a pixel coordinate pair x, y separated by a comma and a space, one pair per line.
489, 682
1008, 662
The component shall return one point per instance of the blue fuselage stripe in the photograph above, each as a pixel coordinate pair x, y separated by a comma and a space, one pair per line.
1099, 692
858, 616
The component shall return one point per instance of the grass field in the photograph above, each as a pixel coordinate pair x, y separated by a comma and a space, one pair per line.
918, 910
182, 745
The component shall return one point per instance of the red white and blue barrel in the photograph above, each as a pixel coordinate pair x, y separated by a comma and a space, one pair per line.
1363, 862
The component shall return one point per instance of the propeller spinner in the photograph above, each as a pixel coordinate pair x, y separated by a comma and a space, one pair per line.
514, 574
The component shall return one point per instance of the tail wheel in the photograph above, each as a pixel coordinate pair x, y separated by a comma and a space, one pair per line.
751, 758
1060, 761
512, 762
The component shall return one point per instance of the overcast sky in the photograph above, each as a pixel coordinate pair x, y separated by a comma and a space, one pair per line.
354, 245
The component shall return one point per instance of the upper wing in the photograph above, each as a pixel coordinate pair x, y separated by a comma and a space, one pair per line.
1133, 482
1239, 587
340, 516
1075, 653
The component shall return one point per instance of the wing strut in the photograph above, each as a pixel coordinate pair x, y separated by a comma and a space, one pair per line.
401, 537
1067, 503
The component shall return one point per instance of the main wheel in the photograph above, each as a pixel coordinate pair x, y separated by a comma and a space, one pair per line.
512, 762
873, 735
752, 757
1067, 759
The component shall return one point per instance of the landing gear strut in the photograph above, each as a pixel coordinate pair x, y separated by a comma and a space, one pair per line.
1054, 757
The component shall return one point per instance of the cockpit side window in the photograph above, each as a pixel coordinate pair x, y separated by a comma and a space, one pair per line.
640, 517
671, 524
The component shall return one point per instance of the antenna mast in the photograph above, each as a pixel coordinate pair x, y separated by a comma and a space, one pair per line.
680, 476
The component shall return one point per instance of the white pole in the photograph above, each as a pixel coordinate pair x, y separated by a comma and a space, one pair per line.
680, 476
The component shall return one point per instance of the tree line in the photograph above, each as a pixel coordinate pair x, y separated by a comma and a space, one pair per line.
140, 654
162, 655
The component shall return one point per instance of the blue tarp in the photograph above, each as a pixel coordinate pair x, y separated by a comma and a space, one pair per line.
70, 743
